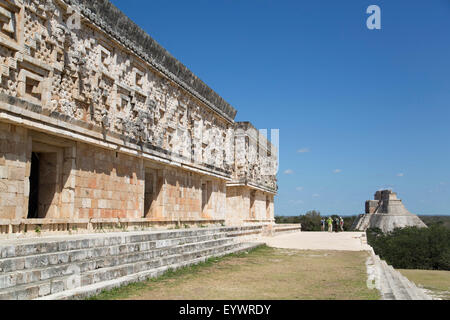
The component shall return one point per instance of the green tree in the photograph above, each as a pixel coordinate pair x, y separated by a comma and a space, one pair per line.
311, 221
413, 248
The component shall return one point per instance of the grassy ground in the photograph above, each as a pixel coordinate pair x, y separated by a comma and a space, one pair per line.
438, 282
265, 273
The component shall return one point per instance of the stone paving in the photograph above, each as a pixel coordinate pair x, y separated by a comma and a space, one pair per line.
345, 241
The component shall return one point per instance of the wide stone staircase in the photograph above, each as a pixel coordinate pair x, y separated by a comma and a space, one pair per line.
391, 283
76, 267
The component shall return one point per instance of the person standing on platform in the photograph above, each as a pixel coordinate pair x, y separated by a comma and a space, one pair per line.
336, 224
330, 224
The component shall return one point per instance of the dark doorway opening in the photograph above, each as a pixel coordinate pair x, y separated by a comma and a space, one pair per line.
150, 196
206, 195
33, 202
44, 185
153, 186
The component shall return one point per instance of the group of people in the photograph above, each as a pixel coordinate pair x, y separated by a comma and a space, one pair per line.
336, 224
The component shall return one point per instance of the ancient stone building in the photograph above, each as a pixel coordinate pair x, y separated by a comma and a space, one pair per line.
386, 212
100, 127
253, 185
251, 192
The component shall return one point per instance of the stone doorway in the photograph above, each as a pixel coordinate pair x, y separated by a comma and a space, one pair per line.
33, 202
45, 181
43, 184
206, 195
153, 186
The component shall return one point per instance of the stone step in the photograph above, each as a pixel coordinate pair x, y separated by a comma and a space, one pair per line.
287, 229
236, 228
33, 246
373, 265
60, 257
94, 289
111, 273
390, 281
402, 291
371, 271
241, 233
377, 273
416, 292
424, 296
35, 289
410, 288
62, 283
395, 286
403, 287
385, 289
31, 268
47, 272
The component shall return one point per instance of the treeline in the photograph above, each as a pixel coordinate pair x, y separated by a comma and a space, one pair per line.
436, 220
311, 220
413, 248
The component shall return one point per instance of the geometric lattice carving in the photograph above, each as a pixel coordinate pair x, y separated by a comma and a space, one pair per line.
7, 21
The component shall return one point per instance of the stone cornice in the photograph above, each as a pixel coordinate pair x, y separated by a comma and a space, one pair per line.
252, 185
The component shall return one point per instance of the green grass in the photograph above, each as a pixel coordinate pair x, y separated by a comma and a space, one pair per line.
133, 288
263, 274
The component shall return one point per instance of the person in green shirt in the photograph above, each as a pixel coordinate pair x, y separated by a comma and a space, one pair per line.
330, 224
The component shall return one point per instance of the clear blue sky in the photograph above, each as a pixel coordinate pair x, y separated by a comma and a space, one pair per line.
371, 108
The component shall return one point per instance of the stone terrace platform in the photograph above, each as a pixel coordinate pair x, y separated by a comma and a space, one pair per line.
342, 241
76, 267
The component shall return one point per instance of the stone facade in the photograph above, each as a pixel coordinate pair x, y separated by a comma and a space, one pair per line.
250, 194
387, 213
100, 127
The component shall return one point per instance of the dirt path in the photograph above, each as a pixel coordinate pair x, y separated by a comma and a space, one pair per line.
342, 241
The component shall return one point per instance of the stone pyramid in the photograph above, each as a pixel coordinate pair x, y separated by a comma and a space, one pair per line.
387, 213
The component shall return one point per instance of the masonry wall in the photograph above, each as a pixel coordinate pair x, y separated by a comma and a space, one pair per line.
270, 205
371, 206
238, 205
56, 180
13, 167
188, 196
246, 205
108, 184
263, 206
256, 159
82, 181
